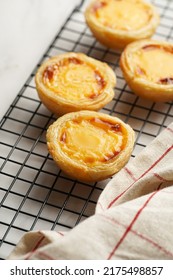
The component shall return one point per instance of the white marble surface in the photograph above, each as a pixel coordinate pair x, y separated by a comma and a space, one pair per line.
27, 28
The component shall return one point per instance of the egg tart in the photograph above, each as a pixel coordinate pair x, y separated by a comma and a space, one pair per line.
116, 23
147, 67
90, 146
73, 81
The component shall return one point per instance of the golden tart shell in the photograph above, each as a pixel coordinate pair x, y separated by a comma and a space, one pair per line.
147, 66
116, 23
73, 81
90, 146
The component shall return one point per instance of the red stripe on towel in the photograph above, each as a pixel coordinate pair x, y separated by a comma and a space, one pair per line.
151, 167
128, 229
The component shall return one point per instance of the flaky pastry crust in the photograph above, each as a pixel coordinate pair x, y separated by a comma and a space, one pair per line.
147, 66
74, 81
116, 23
90, 146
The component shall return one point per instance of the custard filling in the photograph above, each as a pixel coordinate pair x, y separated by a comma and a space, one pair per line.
92, 141
122, 14
154, 63
74, 79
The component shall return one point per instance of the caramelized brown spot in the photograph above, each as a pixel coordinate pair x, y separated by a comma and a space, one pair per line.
150, 47
63, 137
67, 61
107, 124
166, 81
50, 72
100, 80
110, 156
116, 127
101, 83
161, 47
98, 6
93, 95
74, 60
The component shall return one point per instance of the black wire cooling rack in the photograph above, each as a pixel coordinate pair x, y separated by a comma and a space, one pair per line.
34, 193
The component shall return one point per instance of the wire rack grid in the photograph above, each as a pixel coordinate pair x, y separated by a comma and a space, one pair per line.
34, 193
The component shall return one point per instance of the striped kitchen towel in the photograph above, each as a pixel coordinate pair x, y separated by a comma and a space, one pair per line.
133, 218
